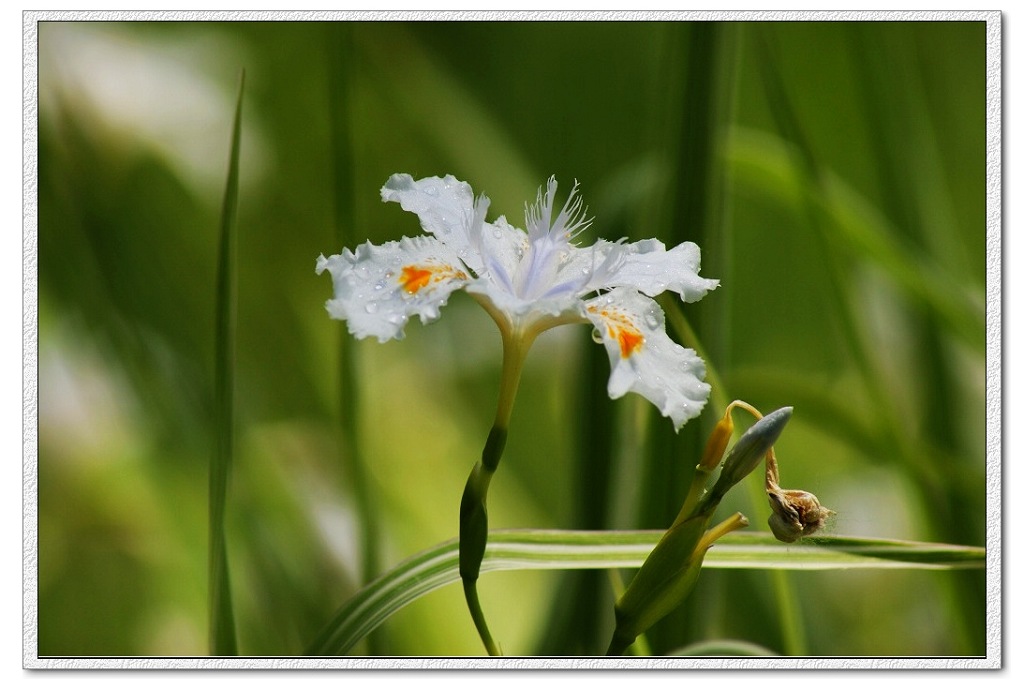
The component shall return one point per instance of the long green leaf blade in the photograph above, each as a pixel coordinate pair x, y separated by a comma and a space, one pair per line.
222, 622
567, 549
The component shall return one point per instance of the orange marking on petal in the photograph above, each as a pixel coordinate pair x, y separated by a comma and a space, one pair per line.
629, 341
621, 328
414, 277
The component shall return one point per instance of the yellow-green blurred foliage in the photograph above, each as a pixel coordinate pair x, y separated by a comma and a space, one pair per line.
833, 173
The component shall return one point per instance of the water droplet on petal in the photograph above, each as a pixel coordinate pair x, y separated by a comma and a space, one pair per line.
371, 307
497, 233
651, 319
596, 336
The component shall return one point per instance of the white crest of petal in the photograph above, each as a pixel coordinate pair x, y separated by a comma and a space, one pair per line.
445, 208
378, 288
644, 359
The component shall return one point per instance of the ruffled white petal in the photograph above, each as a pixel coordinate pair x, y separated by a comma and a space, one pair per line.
445, 208
643, 358
378, 288
646, 266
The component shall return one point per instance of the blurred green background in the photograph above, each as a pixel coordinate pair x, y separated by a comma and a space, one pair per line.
833, 174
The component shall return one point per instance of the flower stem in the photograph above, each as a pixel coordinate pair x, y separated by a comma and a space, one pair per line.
473, 510
469, 587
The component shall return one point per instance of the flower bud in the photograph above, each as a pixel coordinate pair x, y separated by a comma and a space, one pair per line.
717, 443
752, 446
746, 454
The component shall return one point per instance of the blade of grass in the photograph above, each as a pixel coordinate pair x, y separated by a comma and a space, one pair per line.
567, 549
340, 57
222, 623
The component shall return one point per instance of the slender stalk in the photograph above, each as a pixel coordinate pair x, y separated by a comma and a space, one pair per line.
222, 621
473, 510
475, 610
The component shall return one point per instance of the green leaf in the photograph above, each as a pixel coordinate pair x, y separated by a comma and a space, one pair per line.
222, 622
566, 549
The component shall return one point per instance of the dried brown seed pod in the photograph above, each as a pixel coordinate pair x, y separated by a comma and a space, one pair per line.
795, 513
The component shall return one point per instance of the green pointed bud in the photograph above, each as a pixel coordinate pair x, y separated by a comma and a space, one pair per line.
746, 455
473, 523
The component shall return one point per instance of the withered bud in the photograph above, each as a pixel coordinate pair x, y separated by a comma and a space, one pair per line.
795, 514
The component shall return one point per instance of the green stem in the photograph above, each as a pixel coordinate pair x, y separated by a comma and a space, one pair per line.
473, 509
469, 587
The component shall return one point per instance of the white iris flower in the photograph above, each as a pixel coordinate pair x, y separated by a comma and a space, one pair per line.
528, 282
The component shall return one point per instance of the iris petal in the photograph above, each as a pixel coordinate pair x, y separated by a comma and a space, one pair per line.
377, 288
644, 359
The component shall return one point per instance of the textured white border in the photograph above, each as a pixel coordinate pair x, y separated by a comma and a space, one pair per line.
994, 324
994, 515
30, 340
